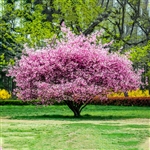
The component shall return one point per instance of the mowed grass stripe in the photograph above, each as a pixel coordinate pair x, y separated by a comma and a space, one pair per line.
61, 112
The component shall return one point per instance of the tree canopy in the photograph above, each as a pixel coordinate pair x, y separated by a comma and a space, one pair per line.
74, 70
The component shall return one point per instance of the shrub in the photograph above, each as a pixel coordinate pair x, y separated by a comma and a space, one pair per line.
139, 93
16, 102
133, 93
4, 94
12, 102
125, 101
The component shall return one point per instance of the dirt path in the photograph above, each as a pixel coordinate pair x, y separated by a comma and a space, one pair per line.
138, 121
145, 145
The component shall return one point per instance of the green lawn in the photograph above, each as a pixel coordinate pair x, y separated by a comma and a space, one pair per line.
54, 127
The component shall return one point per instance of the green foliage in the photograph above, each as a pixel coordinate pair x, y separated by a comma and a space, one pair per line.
33, 27
141, 54
121, 20
2, 60
41, 19
12, 102
77, 14
21, 25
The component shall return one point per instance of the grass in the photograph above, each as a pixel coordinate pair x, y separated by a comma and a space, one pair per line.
54, 127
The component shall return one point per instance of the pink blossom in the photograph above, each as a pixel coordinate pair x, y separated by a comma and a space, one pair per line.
75, 69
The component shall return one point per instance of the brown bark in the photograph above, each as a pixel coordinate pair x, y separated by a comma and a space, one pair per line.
75, 107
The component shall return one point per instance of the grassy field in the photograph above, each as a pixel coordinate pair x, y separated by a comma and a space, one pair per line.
54, 127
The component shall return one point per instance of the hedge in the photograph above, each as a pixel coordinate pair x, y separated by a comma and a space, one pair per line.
125, 101
13, 102
19, 102
117, 101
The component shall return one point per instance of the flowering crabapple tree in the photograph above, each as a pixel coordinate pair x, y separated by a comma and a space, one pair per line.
74, 69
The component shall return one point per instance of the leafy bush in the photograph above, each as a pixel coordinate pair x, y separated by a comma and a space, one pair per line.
4, 94
12, 102
20, 102
16, 102
139, 93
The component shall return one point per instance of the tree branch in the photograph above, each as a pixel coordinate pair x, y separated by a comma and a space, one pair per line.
99, 19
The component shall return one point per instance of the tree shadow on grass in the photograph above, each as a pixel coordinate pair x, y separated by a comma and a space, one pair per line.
72, 118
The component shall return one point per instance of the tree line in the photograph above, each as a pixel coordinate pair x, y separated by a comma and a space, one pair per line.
30, 22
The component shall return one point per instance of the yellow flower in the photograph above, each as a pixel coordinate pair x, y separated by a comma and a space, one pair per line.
4, 94
133, 93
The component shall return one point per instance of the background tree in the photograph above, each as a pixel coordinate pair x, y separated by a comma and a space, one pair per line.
31, 21
140, 56
74, 70
124, 21
9, 48
22, 22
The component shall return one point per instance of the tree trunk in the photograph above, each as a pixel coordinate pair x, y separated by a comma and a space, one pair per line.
126, 94
75, 107
76, 113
